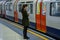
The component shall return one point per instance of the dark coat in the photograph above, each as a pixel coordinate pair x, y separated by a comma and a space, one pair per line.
25, 20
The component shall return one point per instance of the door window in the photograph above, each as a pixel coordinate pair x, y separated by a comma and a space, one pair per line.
9, 7
20, 7
44, 8
55, 9
30, 8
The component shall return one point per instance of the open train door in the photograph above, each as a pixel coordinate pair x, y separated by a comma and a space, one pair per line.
41, 17
15, 11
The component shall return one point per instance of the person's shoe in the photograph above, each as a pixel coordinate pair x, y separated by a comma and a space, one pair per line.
26, 38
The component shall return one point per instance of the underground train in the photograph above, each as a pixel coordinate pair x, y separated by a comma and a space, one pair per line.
44, 15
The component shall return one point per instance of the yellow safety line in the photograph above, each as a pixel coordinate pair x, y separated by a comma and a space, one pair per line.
44, 38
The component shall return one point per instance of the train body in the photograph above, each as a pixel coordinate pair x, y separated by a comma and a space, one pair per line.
44, 15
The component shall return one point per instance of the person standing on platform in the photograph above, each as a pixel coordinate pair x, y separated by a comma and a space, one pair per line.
25, 20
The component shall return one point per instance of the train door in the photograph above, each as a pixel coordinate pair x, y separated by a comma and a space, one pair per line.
9, 11
15, 10
41, 16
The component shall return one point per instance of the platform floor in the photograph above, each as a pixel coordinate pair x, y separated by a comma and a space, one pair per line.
13, 31
8, 34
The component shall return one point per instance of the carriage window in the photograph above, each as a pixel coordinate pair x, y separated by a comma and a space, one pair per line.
9, 7
44, 9
30, 8
55, 9
20, 7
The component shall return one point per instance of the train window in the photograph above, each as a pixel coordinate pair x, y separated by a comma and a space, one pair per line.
20, 7
44, 9
30, 8
9, 7
55, 9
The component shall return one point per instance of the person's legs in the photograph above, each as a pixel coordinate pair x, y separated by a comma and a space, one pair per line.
25, 32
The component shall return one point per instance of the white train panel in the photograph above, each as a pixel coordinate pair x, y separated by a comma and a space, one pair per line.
52, 21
